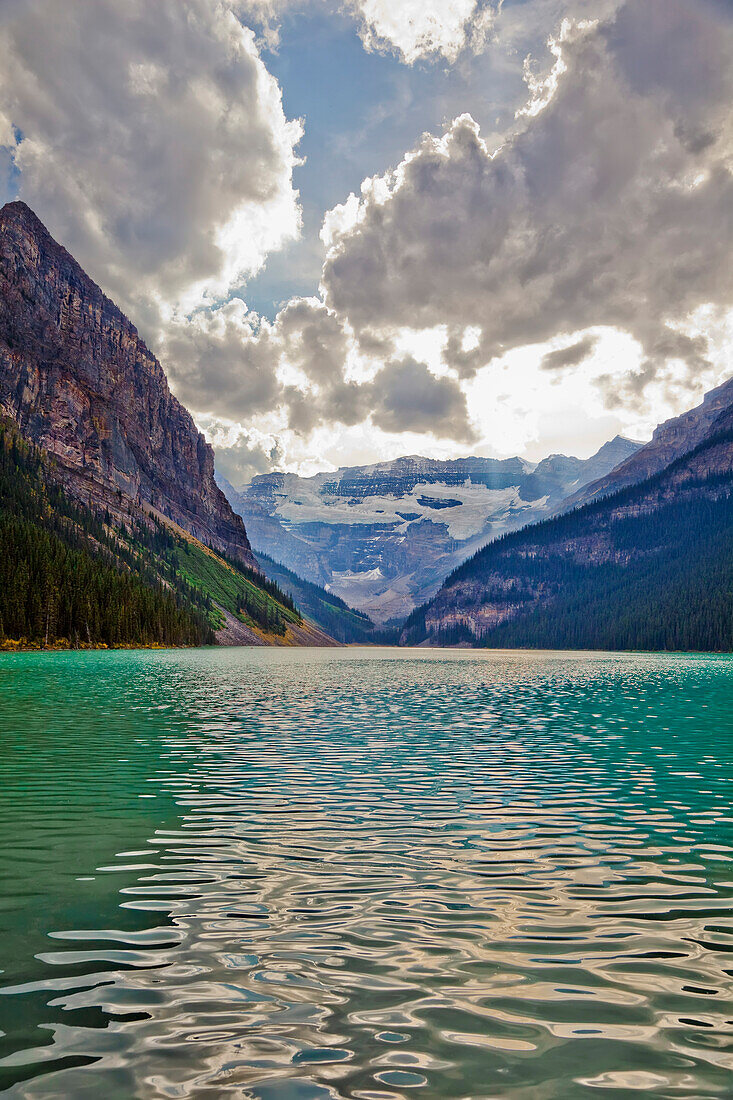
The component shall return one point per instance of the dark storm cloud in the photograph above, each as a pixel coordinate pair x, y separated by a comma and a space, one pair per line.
408, 398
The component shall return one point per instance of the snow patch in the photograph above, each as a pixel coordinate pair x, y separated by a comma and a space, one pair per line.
477, 507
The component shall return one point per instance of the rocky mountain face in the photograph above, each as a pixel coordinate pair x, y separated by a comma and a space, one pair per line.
650, 566
384, 536
79, 382
670, 440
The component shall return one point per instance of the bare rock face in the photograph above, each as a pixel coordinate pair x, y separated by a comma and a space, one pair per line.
80, 383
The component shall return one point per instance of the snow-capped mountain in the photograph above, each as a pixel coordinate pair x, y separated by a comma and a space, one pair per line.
383, 537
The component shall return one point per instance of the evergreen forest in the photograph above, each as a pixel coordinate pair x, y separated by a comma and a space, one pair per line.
72, 576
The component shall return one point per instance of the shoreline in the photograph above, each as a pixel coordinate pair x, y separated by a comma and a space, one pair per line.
62, 645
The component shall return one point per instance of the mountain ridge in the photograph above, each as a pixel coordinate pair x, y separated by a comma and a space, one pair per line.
113, 480
80, 383
647, 566
384, 535
670, 439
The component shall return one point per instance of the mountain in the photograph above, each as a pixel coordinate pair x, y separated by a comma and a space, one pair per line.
66, 575
384, 536
670, 440
328, 611
112, 528
647, 567
79, 382
70, 576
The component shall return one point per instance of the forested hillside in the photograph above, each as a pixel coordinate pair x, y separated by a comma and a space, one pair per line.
69, 575
649, 567
332, 614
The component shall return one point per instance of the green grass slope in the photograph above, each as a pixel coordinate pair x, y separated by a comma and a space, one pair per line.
251, 597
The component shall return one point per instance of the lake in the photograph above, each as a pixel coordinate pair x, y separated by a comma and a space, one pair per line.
304, 874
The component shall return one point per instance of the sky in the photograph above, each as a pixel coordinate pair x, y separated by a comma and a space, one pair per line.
352, 231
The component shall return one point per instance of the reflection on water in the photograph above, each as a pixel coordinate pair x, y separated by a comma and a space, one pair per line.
300, 874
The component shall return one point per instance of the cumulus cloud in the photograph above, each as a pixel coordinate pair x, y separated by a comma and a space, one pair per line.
222, 362
415, 29
152, 140
241, 454
411, 30
609, 205
402, 395
231, 366
312, 339
228, 362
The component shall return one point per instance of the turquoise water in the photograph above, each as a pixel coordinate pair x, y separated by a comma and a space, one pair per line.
300, 874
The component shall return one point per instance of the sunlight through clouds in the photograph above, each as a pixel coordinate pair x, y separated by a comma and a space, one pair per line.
195, 185
416, 29
581, 251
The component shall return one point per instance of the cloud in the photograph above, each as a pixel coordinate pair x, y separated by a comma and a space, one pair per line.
153, 142
312, 338
609, 204
669, 348
227, 362
229, 365
403, 395
151, 139
222, 363
406, 397
411, 30
570, 356
607, 207
415, 29
241, 454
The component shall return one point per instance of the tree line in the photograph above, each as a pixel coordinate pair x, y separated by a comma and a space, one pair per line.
65, 574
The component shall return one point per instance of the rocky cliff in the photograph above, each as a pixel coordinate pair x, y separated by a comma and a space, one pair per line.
80, 383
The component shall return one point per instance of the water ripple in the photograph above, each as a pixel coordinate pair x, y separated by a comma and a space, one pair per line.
294, 875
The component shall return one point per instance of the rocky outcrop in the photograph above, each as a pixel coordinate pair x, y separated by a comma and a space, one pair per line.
305, 633
80, 383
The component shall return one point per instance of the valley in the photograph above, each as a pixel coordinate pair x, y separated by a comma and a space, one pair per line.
383, 537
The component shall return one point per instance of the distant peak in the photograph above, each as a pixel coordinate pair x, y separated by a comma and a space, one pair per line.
627, 439
619, 443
